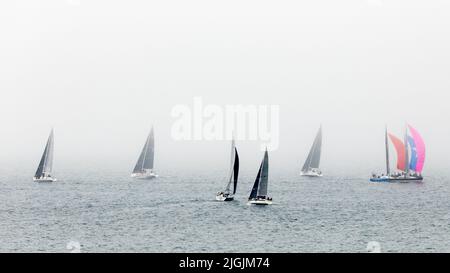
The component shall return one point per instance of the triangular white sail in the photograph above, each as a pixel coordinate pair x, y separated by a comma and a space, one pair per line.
313, 159
46, 164
146, 158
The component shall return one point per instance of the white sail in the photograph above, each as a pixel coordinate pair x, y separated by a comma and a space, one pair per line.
147, 156
313, 159
46, 164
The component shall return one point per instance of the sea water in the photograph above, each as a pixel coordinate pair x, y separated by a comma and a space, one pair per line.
107, 211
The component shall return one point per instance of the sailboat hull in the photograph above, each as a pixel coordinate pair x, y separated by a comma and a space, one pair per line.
311, 174
224, 198
397, 179
260, 202
44, 180
144, 176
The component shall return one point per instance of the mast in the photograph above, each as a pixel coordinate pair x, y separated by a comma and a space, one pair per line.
388, 170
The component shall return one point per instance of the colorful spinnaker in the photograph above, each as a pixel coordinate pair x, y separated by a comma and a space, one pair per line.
400, 148
420, 149
410, 157
413, 159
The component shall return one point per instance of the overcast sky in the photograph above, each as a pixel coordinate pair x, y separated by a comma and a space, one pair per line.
102, 72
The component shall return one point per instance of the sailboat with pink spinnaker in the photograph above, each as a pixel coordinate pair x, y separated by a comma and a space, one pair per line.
410, 158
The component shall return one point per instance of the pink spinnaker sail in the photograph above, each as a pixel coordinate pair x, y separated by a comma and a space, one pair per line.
420, 146
401, 154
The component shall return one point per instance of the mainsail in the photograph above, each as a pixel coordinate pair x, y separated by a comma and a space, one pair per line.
262, 179
234, 169
46, 163
420, 148
145, 161
313, 159
400, 148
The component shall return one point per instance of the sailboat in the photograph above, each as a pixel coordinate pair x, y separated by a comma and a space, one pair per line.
144, 165
44, 170
410, 157
258, 196
228, 194
311, 166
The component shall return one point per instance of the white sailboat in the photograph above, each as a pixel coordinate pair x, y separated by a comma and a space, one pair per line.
44, 170
311, 166
144, 165
258, 196
228, 194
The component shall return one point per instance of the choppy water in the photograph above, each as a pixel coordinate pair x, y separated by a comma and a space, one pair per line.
109, 212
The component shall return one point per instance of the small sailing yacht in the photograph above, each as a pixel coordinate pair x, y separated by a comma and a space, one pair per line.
410, 158
228, 195
258, 196
44, 170
144, 165
311, 166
